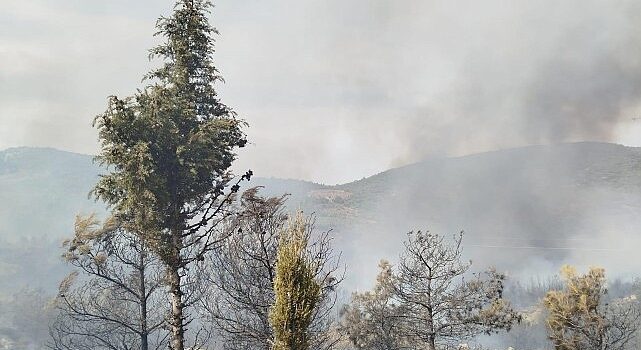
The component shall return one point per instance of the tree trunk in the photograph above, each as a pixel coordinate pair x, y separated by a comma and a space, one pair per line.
431, 338
144, 332
144, 342
431, 343
176, 320
174, 264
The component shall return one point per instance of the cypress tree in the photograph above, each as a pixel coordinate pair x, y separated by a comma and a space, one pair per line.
296, 291
169, 148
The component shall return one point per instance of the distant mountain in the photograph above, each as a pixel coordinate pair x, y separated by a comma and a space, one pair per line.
41, 190
525, 209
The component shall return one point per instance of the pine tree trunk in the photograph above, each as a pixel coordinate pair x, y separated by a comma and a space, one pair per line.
176, 321
174, 264
431, 338
144, 332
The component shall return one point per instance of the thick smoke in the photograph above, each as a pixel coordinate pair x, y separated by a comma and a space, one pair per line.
388, 83
531, 73
525, 211
590, 80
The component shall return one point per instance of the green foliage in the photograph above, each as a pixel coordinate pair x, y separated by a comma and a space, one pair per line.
171, 144
169, 148
296, 290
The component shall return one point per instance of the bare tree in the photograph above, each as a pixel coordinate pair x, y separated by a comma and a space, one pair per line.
442, 305
581, 318
435, 298
243, 272
115, 299
623, 318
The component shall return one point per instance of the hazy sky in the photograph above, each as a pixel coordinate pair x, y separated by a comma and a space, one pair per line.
335, 90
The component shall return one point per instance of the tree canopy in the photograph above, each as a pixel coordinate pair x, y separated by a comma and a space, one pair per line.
169, 148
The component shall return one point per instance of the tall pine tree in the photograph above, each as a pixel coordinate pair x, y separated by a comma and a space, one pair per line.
169, 148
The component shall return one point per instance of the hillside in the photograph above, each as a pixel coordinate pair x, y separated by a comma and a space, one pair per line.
523, 209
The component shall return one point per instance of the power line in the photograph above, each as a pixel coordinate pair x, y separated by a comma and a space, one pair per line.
546, 248
495, 238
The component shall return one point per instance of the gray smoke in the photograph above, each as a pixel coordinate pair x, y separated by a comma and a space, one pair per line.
396, 82
337, 90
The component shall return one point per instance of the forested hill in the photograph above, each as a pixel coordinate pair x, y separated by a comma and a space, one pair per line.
522, 208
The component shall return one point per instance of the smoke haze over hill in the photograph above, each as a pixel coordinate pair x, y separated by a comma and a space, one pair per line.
526, 211
338, 90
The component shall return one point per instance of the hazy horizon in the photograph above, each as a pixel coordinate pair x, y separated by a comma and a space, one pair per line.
347, 181
336, 91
